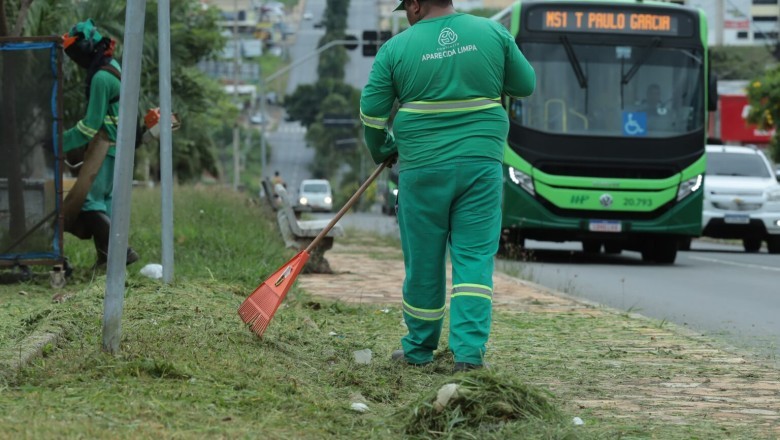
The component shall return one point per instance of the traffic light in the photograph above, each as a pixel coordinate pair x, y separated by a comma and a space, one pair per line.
370, 43
372, 40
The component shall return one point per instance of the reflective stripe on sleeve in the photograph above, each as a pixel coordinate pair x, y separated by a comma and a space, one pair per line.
424, 314
450, 106
477, 290
111, 120
88, 132
369, 121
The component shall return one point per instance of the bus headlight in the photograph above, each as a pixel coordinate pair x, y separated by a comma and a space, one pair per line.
303, 200
328, 200
689, 187
524, 180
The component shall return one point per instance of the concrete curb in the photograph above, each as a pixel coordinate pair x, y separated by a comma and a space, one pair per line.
12, 360
30, 348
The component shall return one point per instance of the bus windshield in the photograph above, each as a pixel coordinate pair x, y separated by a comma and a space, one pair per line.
607, 90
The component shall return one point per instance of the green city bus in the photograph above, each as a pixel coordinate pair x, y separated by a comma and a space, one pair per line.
609, 149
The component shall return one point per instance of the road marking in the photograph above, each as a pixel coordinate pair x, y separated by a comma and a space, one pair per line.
732, 263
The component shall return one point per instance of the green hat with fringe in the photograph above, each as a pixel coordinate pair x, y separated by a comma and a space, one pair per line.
87, 29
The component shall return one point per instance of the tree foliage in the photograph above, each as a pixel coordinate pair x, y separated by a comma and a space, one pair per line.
199, 101
740, 63
764, 97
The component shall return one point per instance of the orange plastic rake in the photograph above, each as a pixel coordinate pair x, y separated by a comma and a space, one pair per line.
259, 307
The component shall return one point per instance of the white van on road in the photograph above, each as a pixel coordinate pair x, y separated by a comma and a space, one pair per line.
316, 195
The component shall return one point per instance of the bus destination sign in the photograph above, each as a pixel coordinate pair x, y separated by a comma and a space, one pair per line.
612, 21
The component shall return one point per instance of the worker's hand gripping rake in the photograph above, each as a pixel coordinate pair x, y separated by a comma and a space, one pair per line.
258, 309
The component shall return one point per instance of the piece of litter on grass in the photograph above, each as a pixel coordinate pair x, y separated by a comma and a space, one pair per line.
446, 392
362, 356
333, 334
153, 271
357, 397
385, 310
359, 407
578, 421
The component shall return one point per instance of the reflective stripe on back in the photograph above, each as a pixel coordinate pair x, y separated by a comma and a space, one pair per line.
450, 106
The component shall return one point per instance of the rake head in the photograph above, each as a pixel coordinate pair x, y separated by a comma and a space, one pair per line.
259, 307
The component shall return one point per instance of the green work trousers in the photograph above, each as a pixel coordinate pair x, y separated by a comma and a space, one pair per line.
457, 205
100, 193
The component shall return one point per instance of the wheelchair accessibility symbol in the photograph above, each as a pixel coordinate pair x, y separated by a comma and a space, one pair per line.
634, 123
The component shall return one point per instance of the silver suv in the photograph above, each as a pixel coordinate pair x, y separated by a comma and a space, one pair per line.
741, 197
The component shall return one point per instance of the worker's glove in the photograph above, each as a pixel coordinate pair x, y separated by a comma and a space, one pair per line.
392, 160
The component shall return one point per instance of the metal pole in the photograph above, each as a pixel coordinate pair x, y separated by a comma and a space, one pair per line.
236, 163
166, 147
123, 175
719, 20
264, 128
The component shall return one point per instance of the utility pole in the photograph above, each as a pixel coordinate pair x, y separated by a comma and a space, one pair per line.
166, 141
263, 126
123, 175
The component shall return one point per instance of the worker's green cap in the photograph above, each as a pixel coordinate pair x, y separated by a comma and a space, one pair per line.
400, 7
87, 29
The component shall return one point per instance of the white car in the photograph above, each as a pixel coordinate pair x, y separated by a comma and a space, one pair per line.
741, 197
308, 16
315, 194
258, 119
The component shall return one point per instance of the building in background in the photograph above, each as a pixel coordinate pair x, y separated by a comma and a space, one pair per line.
740, 22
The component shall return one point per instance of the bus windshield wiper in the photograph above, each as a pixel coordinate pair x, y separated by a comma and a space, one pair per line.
575, 63
638, 63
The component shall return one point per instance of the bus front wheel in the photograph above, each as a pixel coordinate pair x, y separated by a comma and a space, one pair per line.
660, 250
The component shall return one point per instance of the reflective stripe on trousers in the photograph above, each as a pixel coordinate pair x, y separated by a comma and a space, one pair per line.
424, 314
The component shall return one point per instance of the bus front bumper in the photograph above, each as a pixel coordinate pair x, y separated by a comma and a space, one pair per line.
523, 212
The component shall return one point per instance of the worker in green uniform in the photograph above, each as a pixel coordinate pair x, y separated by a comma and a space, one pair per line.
94, 53
448, 72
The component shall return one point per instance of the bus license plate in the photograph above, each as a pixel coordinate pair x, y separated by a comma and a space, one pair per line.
605, 226
736, 219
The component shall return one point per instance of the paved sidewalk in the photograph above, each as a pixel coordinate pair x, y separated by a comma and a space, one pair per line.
715, 384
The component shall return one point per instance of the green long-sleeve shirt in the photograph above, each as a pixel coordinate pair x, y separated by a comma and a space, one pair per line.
101, 112
449, 74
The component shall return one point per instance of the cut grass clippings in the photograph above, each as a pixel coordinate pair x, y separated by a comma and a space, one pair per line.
483, 404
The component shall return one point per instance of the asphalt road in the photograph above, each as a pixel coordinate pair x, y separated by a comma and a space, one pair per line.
714, 289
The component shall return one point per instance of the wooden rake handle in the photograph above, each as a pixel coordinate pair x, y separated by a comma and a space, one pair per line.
347, 205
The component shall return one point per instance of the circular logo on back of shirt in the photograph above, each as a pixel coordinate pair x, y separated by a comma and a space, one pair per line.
447, 37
